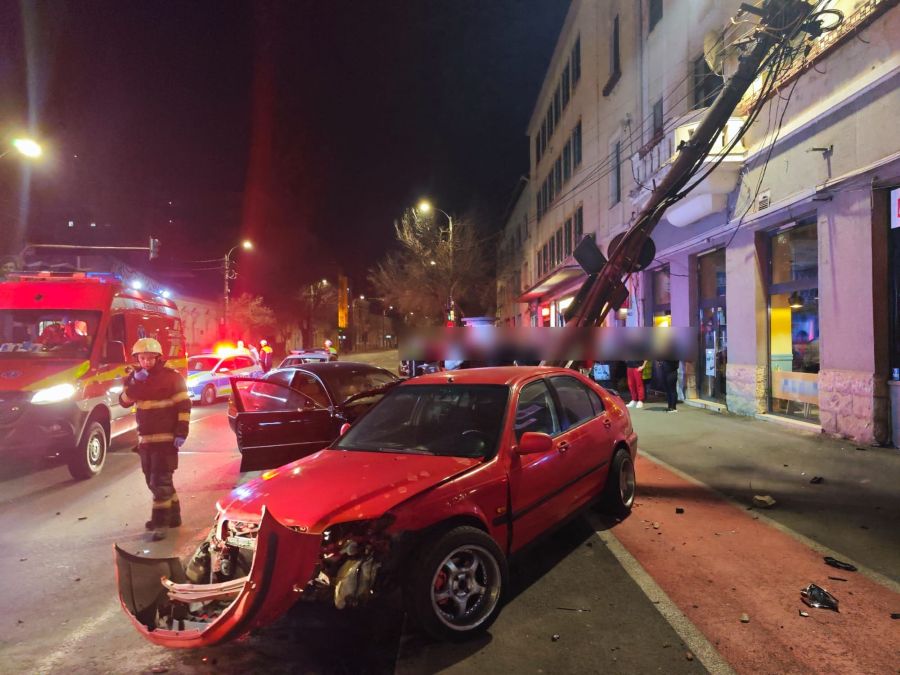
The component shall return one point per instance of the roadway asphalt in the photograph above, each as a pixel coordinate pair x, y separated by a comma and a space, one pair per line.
659, 592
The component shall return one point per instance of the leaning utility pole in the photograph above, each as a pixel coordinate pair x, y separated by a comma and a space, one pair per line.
605, 288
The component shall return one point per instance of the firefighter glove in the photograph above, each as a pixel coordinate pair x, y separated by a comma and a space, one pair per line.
141, 375
179, 441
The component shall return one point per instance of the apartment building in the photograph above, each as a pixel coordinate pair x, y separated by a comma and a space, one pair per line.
785, 257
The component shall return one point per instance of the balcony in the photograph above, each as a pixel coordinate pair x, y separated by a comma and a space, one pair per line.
652, 162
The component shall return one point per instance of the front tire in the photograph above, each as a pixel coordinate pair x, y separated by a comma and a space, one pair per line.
618, 495
89, 456
208, 397
457, 583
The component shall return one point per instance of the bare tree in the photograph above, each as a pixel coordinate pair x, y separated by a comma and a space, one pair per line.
317, 303
434, 264
249, 317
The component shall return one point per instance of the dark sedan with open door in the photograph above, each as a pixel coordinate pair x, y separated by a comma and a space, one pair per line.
293, 412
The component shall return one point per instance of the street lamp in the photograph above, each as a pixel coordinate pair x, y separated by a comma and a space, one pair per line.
425, 207
247, 245
27, 147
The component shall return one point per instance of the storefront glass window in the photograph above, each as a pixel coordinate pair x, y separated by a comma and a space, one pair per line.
712, 358
794, 353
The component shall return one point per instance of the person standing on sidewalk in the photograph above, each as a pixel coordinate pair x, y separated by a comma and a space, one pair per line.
636, 383
163, 418
670, 377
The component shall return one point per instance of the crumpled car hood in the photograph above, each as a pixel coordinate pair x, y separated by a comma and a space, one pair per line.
334, 486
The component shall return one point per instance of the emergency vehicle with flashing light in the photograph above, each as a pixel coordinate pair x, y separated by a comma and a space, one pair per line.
63, 342
209, 375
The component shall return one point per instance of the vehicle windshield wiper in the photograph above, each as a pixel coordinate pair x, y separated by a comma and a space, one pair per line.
370, 392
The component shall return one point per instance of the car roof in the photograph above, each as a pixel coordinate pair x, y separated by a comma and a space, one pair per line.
325, 367
506, 375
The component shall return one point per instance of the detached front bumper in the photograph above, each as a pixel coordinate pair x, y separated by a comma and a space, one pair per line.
283, 565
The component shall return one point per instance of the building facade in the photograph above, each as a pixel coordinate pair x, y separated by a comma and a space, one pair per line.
784, 256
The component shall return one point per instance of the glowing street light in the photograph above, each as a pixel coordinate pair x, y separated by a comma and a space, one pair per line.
28, 147
247, 244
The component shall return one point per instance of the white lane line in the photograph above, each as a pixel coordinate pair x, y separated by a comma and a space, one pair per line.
66, 648
877, 577
696, 641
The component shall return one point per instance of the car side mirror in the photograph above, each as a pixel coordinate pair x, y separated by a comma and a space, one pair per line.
345, 427
114, 352
533, 442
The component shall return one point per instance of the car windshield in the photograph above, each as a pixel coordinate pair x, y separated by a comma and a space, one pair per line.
347, 382
47, 333
199, 363
453, 420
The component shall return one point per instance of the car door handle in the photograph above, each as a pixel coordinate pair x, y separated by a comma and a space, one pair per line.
563, 446
607, 423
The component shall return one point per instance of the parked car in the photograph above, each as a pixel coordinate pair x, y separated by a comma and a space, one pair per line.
317, 399
299, 357
430, 491
209, 375
415, 368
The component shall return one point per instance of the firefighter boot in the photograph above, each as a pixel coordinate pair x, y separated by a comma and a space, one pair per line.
175, 513
160, 522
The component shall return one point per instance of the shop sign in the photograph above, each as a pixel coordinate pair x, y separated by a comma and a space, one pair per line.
790, 386
601, 372
895, 208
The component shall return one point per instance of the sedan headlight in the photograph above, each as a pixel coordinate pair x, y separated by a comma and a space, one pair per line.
55, 394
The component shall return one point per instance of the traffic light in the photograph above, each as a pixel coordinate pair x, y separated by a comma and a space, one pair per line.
154, 248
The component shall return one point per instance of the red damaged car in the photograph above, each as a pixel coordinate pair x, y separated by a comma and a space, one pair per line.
430, 492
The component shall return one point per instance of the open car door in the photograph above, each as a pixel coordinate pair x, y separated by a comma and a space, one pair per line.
276, 424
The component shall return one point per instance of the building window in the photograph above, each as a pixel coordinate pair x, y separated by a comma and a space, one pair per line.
579, 225
545, 255
566, 84
658, 119
559, 246
655, 14
794, 321
552, 252
538, 269
662, 299
538, 205
567, 161
615, 175
576, 145
537, 149
706, 83
567, 236
615, 63
557, 172
550, 122
712, 358
576, 62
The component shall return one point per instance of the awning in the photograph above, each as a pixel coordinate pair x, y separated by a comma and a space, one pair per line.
558, 280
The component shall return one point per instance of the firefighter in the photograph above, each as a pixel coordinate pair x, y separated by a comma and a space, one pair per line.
163, 417
265, 355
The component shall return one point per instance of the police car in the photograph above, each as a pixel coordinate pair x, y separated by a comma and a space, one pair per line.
209, 375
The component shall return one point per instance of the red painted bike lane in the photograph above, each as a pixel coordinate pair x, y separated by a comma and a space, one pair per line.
717, 562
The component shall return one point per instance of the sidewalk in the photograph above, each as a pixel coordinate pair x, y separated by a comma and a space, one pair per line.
855, 510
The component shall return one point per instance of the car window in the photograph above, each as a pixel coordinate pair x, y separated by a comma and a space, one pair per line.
264, 396
226, 363
311, 387
243, 362
347, 382
574, 401
201, 363
596, 401
535, 410
453, 420
287, 363
282, 377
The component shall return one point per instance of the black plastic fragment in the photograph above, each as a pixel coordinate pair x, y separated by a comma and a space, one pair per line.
840, 564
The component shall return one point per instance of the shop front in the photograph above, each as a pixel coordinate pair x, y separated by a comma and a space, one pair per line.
794, 330
712, 359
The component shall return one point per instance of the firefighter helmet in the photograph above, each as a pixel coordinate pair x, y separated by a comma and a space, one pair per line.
146, 346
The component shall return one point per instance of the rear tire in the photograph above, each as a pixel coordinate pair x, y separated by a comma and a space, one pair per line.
89, 456
208, 397
618, 495
456, 585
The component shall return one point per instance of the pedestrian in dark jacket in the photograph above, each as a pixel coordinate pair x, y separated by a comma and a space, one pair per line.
163, 418
670, 377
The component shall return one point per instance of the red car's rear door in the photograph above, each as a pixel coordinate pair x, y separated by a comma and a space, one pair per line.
540, 483
589, 430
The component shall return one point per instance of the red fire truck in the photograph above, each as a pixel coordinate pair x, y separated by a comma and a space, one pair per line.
64, 342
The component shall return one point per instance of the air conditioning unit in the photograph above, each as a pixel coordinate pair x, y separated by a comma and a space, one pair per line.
764, 200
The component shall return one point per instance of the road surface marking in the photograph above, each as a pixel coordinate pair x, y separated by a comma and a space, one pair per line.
82, 632
784, 529
702, 648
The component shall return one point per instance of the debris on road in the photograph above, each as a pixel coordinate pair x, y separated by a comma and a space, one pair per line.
159, 669
655, 526
763, 501
745, 618
689, 656
895, 615
678, 509
22, 559
840, 564
573, 609
82, 518
555, 637
816, 596
816, 480
802, 613
837, 578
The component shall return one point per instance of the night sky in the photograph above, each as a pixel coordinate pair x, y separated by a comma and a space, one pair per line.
306, 126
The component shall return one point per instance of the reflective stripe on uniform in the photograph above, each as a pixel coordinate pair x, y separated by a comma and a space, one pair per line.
184, 417
156, 438
180, 396
163, 402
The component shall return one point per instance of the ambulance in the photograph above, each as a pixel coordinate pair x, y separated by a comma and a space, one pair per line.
65, 343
